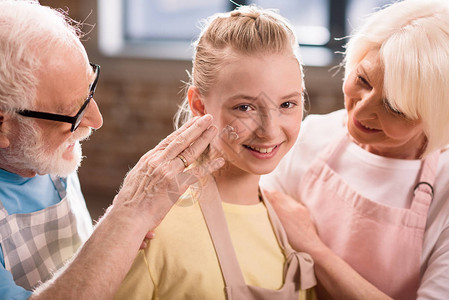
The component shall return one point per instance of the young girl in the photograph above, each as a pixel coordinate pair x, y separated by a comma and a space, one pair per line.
222, 240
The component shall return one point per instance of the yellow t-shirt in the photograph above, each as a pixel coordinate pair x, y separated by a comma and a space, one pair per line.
180, 261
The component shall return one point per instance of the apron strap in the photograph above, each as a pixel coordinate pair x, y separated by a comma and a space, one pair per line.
301, 259
59, 187
423, 192
212, 210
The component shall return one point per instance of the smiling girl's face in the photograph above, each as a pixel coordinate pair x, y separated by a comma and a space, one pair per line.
260, 97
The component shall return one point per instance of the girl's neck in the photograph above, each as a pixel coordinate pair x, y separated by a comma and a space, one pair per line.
238, 187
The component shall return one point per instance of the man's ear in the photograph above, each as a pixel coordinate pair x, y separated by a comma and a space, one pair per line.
195, 101
4, 140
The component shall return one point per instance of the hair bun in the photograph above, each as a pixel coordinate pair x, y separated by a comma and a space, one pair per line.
248, 14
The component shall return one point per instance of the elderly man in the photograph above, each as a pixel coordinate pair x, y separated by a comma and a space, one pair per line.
46, 108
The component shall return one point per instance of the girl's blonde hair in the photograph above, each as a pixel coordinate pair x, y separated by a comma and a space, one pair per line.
248, 30
412, 37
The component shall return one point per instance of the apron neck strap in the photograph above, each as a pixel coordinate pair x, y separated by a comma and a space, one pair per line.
281, 235
297, 263
211, 207
423, 191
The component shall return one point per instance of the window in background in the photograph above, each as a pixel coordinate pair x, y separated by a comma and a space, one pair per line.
357, 11
164, 29
309, 18
164, 20
178, 19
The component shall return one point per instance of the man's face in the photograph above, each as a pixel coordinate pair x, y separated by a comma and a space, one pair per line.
30, 152
46, 146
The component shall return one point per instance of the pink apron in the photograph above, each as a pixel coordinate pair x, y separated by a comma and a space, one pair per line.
383, 244
298, 268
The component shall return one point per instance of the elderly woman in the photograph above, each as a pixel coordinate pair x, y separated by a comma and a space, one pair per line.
372, 181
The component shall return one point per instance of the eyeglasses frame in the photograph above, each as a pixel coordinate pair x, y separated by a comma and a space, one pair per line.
75, 120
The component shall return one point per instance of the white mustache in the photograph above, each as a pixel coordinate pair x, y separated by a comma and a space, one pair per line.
80, 134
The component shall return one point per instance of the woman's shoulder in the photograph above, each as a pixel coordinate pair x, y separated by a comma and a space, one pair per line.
443, 166
319, 130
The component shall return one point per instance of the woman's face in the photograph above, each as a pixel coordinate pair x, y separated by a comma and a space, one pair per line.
257, 107
372, 122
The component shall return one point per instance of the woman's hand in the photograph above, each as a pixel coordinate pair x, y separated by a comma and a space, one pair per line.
296, 220
152, 187
337, 279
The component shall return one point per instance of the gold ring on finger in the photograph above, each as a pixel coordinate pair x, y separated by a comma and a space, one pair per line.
183, 159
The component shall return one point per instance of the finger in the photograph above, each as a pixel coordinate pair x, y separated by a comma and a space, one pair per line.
270, 195
189, 136
192, 152
149, 162
150, 235
177, 142
165, 142
193, 175
187, 178
143, 245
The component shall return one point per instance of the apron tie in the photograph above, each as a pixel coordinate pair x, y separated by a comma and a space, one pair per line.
306, 271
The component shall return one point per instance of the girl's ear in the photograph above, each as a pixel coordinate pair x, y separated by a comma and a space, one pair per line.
195, 101
4, 140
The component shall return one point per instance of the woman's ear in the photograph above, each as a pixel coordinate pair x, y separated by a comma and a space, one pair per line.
195, 101
4, 140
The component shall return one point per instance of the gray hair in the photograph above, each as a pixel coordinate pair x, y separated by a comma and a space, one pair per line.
412, 38
28, 34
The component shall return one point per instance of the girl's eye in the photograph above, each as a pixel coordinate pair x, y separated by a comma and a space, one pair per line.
288, 104
243, 107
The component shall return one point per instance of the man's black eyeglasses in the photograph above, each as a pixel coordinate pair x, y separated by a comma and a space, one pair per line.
76, 120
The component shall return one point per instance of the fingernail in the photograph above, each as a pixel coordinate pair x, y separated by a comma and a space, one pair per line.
206, 118
213, 128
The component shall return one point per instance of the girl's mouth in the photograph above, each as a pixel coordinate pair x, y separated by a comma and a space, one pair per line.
261, 150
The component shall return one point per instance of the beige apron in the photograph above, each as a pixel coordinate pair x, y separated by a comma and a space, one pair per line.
382, 243
298, 268
37, 244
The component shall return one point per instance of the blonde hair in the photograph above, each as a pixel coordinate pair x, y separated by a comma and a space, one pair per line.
248, 30
412, 37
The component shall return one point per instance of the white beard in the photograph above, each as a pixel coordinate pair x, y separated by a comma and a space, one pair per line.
28, 153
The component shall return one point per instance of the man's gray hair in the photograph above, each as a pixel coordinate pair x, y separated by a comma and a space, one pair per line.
28, 33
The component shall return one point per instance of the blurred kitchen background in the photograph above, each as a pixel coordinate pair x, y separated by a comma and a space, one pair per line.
143, 47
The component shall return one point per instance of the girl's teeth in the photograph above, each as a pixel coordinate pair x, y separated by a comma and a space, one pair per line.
262, 150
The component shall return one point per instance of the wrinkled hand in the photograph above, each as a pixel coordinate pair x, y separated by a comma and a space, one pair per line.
296, 220
159, 178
